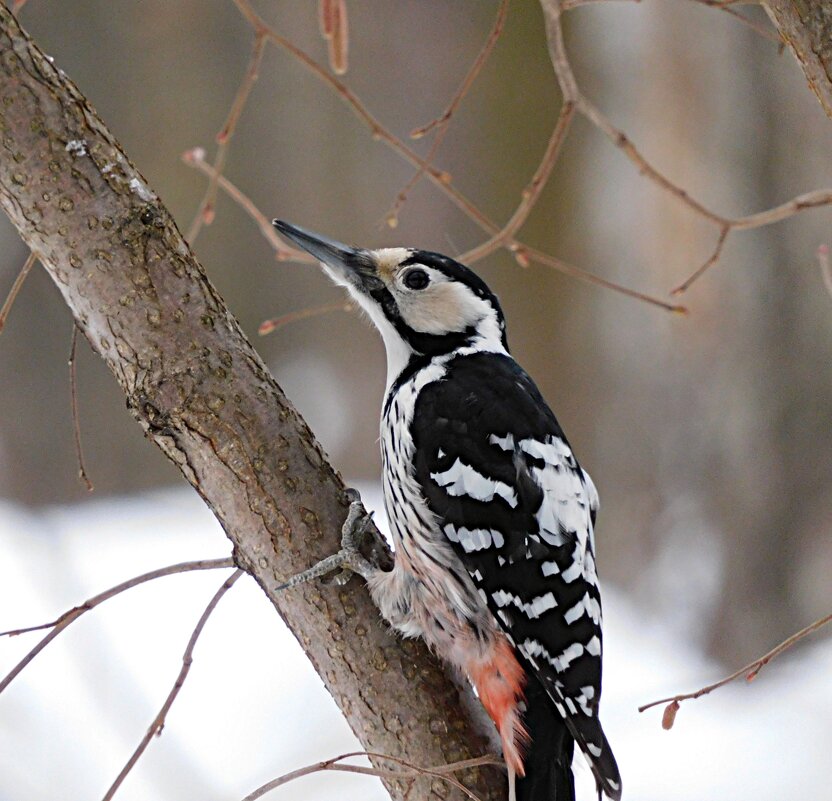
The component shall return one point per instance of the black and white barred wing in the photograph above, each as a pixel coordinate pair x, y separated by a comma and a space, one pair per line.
498, 473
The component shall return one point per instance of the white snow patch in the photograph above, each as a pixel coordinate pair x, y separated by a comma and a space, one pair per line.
72, 717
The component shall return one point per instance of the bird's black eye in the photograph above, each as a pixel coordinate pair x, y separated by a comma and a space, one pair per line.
416, 279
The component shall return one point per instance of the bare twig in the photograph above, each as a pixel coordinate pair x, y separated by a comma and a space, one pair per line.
710, 262
441, 122
205, 213
70, 616
523, 251
187, 660
553, 10
267, 326
809, 200
722, 5
76, 423
18, 283
532, 192
196, 158
750, 672
409, 771
825, 268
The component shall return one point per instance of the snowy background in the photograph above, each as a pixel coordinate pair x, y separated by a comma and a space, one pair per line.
73, 717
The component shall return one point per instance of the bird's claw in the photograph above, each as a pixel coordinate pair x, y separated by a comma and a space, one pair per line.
349, 559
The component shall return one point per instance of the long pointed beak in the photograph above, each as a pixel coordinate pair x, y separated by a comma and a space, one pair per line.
352, 265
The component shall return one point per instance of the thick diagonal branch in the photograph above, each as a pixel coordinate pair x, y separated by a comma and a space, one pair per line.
203, 396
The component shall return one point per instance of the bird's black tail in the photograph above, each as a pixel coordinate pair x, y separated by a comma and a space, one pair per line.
548, 757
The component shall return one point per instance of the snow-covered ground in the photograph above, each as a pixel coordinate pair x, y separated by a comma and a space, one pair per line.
71, 719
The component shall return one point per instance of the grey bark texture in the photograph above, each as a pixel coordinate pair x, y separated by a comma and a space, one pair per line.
202, 395
806, 25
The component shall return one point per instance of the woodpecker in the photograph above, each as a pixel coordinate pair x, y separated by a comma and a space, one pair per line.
490, 513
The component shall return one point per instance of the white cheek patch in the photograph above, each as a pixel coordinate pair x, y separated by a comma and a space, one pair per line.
443, 307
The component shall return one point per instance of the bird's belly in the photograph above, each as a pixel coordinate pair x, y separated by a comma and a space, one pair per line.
429, 593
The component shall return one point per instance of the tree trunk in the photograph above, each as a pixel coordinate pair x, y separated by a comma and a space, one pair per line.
807, 28
202, 394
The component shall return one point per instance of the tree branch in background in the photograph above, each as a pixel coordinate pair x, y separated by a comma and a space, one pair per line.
16, 287
440, 179
407, 771
572, 95
267, 326
750, 672
204, 397
441, 122
196, 158
207, 208
70, 616
187, 660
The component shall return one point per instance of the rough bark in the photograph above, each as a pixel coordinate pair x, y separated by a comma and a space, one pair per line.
806, 25
202, 395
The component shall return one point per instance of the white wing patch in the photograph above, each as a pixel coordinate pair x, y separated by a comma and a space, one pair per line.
462, 479
532, 609
531, 649
569, 498
474, 539
586, 606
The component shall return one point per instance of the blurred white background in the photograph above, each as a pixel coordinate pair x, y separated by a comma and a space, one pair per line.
252, 707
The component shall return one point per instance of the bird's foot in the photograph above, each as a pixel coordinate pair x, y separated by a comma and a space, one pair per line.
350, 558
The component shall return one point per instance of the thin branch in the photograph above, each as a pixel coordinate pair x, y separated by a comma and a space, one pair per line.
553, 10
16, 286
710, 262
187, 660
205, 213
410, 771
760, 30
750, 672
70, 616
721, 5
590, 278
267, 326
519, 250
442, 122
810, 200
196, 158
532, 192
73, 400
440, 179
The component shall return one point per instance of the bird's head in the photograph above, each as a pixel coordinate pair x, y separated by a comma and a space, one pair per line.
423, 303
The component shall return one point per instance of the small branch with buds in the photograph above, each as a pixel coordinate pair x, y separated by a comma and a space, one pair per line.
158, 723
70, 616
750, 672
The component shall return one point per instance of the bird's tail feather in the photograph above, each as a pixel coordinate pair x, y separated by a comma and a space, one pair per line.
548, 758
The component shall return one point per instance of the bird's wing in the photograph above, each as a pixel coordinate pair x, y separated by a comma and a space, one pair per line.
497, 471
